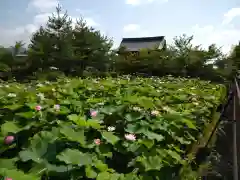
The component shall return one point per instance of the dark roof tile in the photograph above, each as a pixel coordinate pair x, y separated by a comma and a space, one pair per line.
135, 44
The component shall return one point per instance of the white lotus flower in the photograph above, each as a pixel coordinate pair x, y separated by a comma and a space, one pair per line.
136, 108
53, 68
155, 112
12, 95
130, 137
39, 85
111, 128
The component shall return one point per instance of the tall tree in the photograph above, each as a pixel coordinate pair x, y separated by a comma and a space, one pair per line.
69, 47
51, 45
9, 61
5, 59
91, 47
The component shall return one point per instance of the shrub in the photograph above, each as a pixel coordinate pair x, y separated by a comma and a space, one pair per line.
109, 128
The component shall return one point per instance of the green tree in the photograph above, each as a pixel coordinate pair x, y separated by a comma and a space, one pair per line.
232, 62
91, 47
39, 50
71, 48
10, 62
5, 58
51, 45
181, 58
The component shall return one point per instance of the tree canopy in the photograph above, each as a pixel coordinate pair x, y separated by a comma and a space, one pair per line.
70, 48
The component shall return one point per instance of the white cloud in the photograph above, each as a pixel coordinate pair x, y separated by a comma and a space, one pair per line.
9, 36
91, 22
43, 5
230, 15
44, 9
135, 30
31, 28
221, 36
140, 2
83, 11
225, 35
40, 19
133, 2
131, 28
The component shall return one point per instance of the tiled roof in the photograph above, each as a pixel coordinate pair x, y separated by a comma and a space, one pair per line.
135, 44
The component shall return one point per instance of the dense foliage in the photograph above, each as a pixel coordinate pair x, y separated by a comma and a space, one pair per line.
81, 110
64, 48
109, 128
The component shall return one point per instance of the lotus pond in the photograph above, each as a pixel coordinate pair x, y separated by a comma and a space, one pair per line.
126, 128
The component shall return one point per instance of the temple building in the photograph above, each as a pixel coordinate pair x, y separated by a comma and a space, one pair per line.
136, 44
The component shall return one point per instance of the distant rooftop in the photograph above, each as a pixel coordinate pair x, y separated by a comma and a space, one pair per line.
135, 44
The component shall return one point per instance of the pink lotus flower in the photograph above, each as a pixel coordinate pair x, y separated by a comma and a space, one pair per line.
9, 139
130, 137
94, 113
8, 178
97, 141
38, 108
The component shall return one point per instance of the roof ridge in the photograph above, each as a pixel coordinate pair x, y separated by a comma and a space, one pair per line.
134, 44
160, 38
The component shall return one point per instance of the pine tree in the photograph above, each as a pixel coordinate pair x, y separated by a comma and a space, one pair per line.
70, 49
92, 48
51, 45
39, 50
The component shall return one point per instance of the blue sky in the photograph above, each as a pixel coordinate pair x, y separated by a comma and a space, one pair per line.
214, 21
